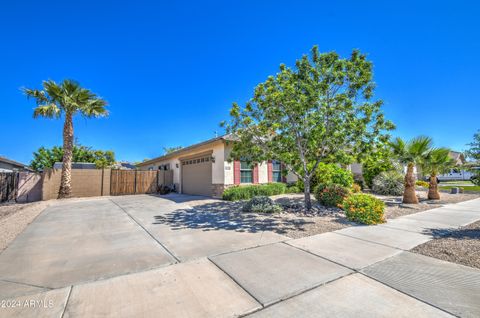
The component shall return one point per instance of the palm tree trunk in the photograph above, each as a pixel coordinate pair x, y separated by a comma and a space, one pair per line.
433, 193
409, 194
66, 180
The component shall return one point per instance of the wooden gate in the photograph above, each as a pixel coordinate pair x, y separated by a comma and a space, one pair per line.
8, 186
133, 182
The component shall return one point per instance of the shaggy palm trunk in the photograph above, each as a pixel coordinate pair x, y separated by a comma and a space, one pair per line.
306, 191
66, 180
409, 194
433, 193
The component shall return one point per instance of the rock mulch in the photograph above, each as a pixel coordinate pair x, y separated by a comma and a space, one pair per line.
14, 218
461, 246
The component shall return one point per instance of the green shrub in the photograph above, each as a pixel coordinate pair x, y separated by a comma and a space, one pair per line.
388, 183
476, 179
364, 208
261, 204
249, 191
422, 183
331, 194
329, 174
293, 189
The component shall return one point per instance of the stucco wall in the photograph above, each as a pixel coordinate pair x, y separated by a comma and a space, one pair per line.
228, 166
29, 187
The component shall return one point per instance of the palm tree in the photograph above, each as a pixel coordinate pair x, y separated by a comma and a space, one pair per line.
66, 99
411, 153
437, 161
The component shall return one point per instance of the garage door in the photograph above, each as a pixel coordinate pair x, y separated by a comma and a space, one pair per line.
197, 176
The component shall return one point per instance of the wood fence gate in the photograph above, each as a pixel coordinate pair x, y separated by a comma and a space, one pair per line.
8, 186
137, 181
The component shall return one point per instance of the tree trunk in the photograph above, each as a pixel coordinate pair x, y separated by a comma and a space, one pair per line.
306, 191
409, 194
433, 193
66, 180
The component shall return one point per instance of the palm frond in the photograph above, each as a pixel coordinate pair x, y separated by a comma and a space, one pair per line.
48, 111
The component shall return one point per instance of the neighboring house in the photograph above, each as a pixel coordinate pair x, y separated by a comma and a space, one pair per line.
123, 165
205, 169
8, 165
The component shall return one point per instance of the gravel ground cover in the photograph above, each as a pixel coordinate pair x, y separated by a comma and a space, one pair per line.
14, 218
461, 246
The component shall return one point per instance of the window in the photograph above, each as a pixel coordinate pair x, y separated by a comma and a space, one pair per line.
276, 171
246, 172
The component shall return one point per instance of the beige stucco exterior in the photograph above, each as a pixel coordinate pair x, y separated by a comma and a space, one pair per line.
222, 168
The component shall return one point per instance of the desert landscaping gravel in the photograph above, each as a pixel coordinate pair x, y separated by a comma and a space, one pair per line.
14, 218
461, 246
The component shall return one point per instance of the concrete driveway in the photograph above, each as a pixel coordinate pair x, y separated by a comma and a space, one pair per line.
148, 256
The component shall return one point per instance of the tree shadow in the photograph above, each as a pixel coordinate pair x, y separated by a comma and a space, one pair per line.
463, 233
224, 215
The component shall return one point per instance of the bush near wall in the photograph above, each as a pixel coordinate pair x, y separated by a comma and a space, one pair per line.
364, 208
249, 191
328, 173
331, 194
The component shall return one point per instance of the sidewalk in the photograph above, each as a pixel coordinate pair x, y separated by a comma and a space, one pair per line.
360, 271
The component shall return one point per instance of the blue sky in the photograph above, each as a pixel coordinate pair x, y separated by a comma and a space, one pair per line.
170, 71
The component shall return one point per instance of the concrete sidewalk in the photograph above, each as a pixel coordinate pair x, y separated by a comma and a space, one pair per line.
363, 271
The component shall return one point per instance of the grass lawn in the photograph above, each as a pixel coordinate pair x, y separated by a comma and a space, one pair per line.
468, 188
463, 183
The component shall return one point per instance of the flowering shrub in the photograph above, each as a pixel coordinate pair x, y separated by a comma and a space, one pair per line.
356, 188
422, 183
364, 208
261, 204
331, 195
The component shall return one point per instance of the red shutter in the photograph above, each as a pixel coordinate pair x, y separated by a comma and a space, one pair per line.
270, 170
236, 172
255, 173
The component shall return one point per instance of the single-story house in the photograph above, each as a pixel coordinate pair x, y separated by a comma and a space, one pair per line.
205, 169
8, 165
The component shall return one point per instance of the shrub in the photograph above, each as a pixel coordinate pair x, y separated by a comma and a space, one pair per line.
329, 174
249, 191
261, 204
364, 208
388, 183
356, 188
293, 189
421, 183
331, 194
476, 179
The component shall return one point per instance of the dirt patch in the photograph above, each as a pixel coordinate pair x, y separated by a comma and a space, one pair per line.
14, 218
461, 246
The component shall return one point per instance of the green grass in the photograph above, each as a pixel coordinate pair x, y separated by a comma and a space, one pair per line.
463, 183
466, 189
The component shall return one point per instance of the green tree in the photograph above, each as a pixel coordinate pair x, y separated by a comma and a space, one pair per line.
436, 162
45, 158
320, 111
376, 161
411, 153
66, 99
474, 151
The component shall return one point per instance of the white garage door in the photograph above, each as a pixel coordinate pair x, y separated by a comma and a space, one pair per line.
197, 176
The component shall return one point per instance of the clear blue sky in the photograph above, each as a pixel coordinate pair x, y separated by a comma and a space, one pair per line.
170, 71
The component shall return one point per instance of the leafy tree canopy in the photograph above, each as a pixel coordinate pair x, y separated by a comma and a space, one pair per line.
45, 158
474, 150
167, 150
322, 110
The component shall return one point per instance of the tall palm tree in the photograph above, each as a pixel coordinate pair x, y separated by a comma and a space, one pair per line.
411, 153
66, 99
437, 161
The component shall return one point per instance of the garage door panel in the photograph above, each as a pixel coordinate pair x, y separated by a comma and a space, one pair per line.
197, 176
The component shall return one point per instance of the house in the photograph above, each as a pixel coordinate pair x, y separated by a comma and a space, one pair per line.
76, 165
8, 165
204, 168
